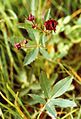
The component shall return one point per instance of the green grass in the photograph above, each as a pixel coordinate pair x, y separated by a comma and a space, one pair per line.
17, 80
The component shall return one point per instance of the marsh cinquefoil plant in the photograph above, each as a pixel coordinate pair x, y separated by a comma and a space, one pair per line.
64, 45
39, 35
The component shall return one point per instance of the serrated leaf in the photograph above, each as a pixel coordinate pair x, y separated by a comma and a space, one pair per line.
31, 56
37, 98
45, 53
61, 87
45, 85
51, 110
62, 102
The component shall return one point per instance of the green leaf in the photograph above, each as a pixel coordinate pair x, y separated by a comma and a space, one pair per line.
61, 87
37, 98
51, 110
30, 33
45, 53
31, 56
33, 7
62, 103
37, 35
25, 25
47, 17
35, 86
3, 64
19, 100
45, 85
53, 78
34, 34
43, 40
13, 14
67, 19
16, 39
78, 21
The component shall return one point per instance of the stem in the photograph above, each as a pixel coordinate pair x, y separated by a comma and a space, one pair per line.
18, 108
76, 13
7, 100
41, 112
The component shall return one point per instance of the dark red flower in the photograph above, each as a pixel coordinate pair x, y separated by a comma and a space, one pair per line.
17, 45
31, 17
51, 25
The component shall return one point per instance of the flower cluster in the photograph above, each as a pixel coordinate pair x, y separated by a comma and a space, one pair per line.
49, 25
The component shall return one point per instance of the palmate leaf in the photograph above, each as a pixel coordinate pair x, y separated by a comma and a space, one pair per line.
45, 85
31, 56
61, 87
51, 103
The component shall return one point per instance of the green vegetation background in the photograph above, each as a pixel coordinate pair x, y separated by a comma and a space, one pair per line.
17, 80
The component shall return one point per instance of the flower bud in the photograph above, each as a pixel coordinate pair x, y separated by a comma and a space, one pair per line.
31, 17
17, 45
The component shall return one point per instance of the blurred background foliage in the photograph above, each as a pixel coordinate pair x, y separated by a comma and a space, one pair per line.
65, 44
